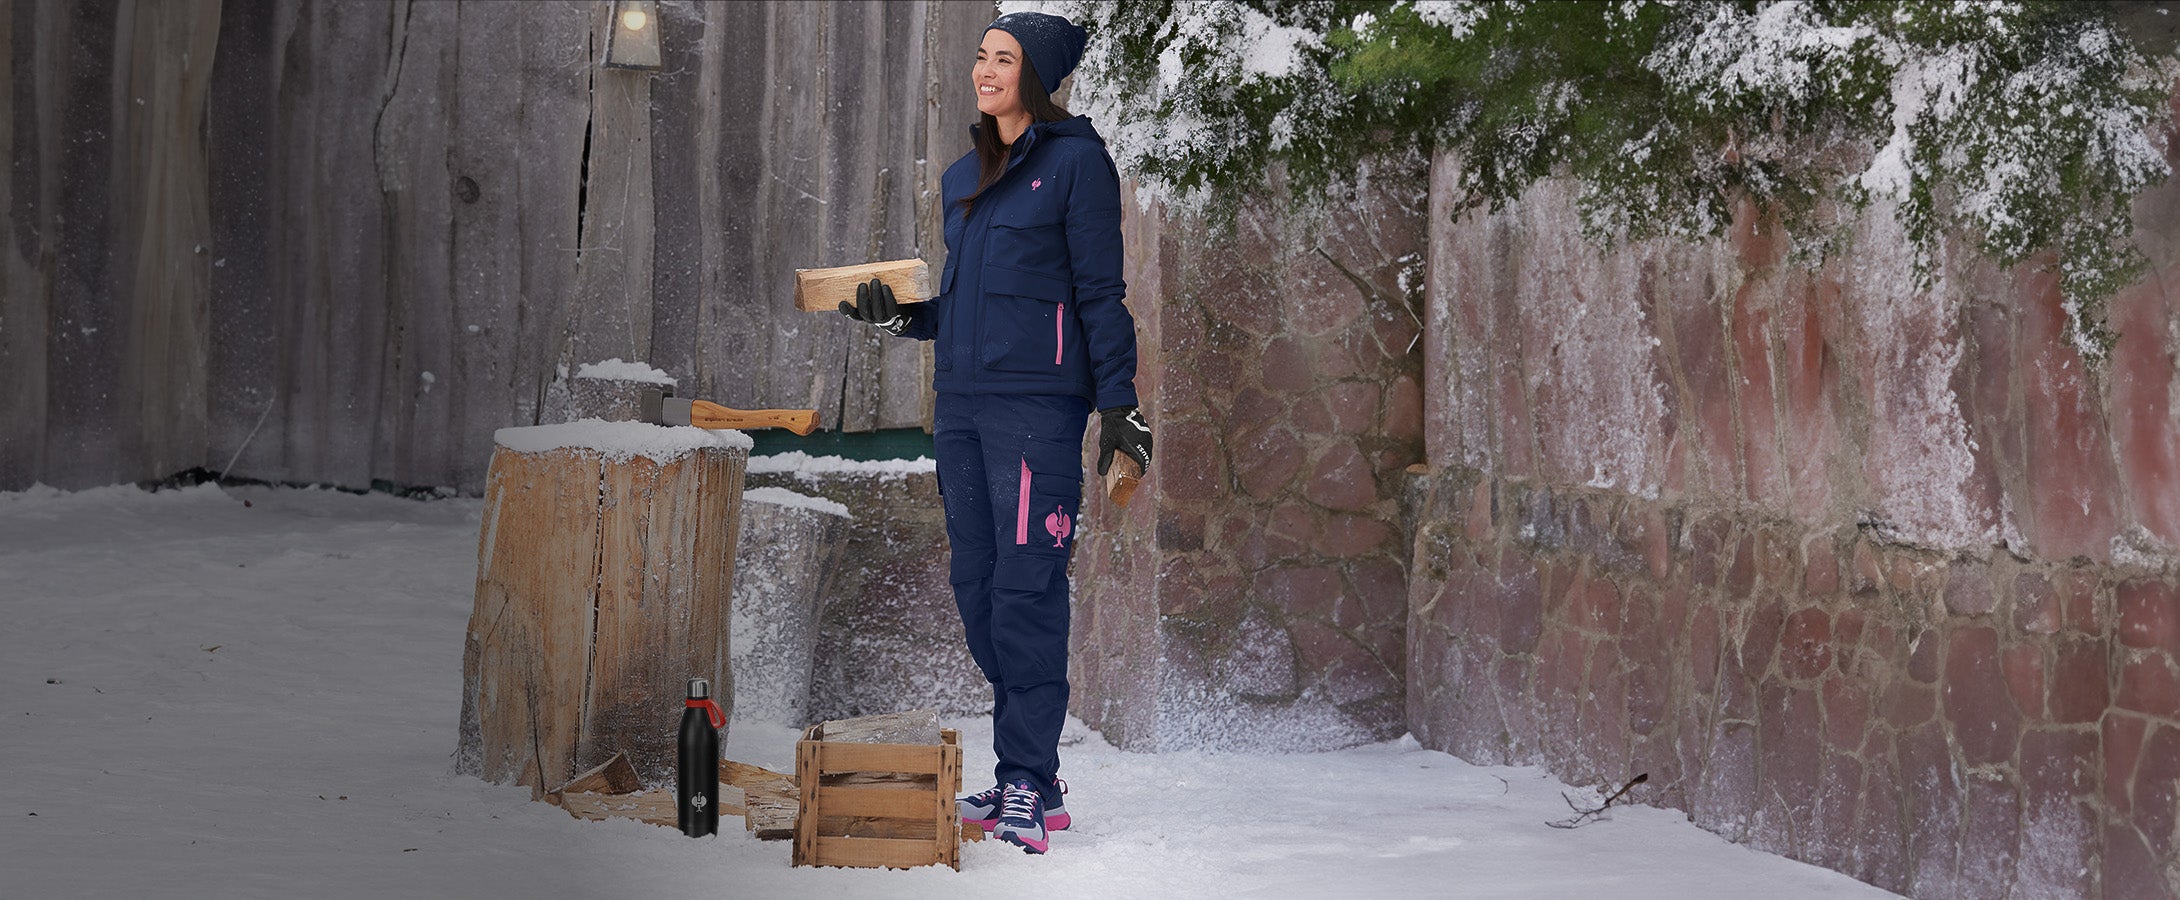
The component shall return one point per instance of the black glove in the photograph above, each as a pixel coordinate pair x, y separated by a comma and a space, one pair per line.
874, 303
1122, 428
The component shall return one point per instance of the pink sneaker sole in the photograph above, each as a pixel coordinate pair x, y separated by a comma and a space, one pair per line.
1053, 822
1028, 844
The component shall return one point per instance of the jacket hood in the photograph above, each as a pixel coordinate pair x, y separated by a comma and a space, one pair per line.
1077, 126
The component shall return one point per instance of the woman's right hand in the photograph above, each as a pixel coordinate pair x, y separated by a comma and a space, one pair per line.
874, 304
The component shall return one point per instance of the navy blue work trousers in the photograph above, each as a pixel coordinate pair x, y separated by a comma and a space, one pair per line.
1010, 470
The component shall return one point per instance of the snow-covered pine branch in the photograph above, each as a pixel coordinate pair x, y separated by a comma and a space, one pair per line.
2027, 126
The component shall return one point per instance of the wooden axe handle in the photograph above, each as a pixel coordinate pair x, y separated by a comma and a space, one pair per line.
706, 414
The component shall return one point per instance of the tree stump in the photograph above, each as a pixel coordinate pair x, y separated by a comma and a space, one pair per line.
789, 553
605, 565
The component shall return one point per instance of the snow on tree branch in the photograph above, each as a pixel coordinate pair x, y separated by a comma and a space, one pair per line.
2027, 126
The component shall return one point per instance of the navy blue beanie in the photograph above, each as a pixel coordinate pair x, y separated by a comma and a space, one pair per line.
1053, 45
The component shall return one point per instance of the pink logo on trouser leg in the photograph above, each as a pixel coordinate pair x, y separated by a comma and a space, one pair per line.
1059, 525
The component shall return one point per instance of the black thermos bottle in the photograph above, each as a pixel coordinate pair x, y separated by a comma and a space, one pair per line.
696, 781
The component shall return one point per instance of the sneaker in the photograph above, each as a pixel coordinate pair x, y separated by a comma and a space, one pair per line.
982, 809
1022, 818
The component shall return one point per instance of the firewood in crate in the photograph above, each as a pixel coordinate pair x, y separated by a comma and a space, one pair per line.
903, 818
916, 726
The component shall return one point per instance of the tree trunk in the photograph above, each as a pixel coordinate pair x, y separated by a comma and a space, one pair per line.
605, 566
789, 551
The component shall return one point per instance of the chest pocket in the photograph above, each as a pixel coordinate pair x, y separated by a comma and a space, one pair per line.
1030, 232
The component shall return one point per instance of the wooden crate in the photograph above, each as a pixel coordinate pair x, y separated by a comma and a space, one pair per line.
873, 805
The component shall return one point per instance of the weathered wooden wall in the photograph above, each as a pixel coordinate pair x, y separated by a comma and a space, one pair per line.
345, 241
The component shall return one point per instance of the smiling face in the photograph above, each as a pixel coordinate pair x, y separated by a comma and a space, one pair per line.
998, 76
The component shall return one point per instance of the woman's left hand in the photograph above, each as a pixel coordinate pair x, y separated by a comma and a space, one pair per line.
1122, 428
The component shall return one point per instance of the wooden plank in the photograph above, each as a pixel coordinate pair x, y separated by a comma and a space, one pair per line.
833, 757
875, 802
806, 822
823, 290
852, 147
543, 185
244, 353
903, 382
73, 109
415, 130
918, 829
874, 852
611, 311
160, 143
895, 779
23, 288
948, 815
340, 246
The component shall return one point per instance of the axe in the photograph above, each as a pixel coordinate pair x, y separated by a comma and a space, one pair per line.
660, 409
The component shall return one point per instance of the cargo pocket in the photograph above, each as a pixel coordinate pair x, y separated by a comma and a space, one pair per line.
1027, 328
1049, 498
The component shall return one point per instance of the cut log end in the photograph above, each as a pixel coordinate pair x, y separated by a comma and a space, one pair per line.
1121, 480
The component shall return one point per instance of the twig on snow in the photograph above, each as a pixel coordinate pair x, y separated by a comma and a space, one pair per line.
1584, 816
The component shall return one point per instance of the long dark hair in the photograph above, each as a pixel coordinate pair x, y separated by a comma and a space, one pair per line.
991, 155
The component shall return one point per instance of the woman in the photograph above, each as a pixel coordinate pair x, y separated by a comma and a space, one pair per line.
1032, 334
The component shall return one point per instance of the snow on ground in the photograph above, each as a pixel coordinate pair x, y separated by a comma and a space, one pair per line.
253, 693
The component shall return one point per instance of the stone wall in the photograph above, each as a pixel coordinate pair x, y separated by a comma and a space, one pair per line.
1873, 574
1251, 595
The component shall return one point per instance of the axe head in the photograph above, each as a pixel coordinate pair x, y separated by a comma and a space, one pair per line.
662, 408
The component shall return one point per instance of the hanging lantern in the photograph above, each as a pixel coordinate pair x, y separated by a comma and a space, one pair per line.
632, 40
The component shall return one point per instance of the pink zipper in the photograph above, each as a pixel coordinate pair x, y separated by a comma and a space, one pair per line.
1059, 334
1021, 511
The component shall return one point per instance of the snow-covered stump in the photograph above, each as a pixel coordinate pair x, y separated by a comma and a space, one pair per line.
785, 564
612, 390
889, 634
604, 569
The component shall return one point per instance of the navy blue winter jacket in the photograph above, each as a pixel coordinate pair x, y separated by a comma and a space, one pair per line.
1031, 299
